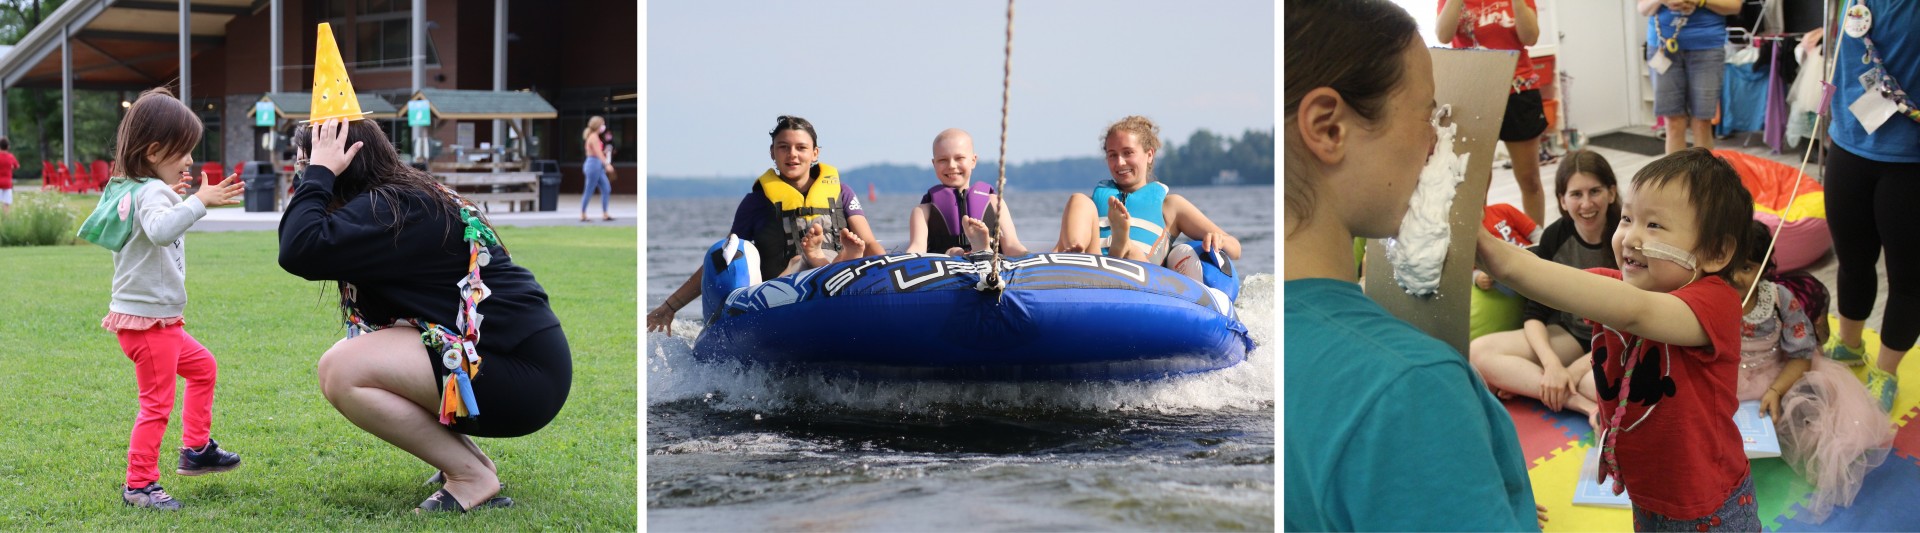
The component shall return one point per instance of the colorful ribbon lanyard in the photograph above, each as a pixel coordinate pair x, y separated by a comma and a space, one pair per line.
1889, 88
1613, 430
455, 345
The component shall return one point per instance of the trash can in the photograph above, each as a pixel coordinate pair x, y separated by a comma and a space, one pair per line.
549, 183
263, 186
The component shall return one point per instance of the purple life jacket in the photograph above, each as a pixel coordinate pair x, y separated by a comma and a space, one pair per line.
949, 206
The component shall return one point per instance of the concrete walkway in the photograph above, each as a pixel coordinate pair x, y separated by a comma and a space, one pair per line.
625, 210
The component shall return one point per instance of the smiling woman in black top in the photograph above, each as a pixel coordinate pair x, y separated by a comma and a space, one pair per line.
411, 256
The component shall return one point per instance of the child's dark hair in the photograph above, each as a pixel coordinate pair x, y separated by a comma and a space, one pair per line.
1593, 164
156, 124
5, 144
1758, 237
1722, 205
790, 122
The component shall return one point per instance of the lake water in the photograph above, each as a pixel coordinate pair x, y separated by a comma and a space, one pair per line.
734, 448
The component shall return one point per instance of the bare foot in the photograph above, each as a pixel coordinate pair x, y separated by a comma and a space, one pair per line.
1120, 227
810, 246
976, 232
851, 246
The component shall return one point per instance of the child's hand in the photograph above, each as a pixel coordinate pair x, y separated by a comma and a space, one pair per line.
1770, 404
1213, 240
1541, 512
186, 182
661, 319
227, 192
1482, 280
330, 146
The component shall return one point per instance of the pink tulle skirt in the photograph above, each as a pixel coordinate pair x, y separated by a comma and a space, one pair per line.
1831, 432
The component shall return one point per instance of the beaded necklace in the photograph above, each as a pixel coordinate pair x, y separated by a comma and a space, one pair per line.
1611, 435
455, 345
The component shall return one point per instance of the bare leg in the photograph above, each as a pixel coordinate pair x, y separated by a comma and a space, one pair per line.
1526, 170
1889, 359
1677, 133
1079, 229
383, 382
1507, 363
1703, 133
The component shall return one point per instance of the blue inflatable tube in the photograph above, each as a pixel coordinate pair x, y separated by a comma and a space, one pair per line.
920, 316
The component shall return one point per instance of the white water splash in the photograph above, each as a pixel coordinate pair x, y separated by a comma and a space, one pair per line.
673, 375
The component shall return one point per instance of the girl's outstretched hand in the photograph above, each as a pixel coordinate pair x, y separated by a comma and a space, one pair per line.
330, 146
227, 192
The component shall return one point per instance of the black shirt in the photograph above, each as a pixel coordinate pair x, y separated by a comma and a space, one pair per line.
409, 271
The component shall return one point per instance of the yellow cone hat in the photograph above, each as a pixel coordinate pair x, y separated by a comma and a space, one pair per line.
332, 92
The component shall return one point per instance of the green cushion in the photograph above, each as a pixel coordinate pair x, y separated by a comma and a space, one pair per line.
1493, 311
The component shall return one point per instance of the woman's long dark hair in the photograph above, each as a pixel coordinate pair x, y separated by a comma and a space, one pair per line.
378, 170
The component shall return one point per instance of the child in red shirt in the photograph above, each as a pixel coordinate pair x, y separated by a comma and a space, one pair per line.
7, 165
1666, 357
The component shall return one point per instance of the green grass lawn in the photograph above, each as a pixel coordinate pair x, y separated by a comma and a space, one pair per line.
67, 399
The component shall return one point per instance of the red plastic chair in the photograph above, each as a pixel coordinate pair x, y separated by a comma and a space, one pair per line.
101, 173
66, 179
82, 178
213, 172
48, 180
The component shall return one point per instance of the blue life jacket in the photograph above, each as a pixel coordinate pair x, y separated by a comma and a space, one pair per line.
945, 230
1143, 211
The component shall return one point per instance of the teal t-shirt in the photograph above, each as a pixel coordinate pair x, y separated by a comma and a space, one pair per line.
1388, 429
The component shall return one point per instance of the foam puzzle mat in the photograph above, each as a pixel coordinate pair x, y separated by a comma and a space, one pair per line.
1555, 444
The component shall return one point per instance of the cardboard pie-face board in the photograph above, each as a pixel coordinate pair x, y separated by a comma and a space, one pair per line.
1475, 83
333, 96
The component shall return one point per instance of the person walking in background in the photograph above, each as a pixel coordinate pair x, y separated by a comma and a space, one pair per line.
598, 169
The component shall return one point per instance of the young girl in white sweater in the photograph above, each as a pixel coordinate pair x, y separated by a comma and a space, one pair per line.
150, 293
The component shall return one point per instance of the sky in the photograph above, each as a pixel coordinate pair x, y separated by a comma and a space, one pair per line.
879, 79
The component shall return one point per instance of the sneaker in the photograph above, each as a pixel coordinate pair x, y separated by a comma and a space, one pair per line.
1840, 353
209, 459
1882, 386
151, 497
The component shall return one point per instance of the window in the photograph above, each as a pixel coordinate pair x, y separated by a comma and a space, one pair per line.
382, 31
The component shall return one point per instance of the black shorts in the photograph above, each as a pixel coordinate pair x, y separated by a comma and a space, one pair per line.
519, 391
1526, 117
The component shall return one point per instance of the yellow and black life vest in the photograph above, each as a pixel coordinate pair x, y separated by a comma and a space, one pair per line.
780, 235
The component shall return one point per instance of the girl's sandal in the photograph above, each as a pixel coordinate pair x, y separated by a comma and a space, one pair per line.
440, 478
443, 501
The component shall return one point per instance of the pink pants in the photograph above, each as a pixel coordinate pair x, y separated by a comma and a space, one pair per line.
158, 355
